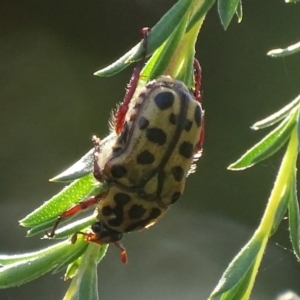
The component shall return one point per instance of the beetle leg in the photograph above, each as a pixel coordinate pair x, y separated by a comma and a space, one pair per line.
93, 237
132, 85
197, 95
197, 78
82, 205
97, 171
123, 255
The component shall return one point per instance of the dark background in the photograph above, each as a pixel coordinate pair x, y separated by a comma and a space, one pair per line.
51, 105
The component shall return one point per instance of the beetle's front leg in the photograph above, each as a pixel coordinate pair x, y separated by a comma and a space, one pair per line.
80, 206
132, 85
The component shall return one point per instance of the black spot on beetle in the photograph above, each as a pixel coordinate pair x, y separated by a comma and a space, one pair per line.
173, 119
188, 125
117, 221
177, 173
141, 224
107, 211
136, 211
156, 135
135, 226
154, 213
118, 171
164, 100
121, 198
143, 123
145, 158
197, 115
186, 149
175, 197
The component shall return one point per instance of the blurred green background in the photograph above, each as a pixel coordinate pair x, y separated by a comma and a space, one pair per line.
51, 105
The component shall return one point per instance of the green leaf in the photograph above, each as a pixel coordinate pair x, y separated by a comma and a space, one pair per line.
20, 269
78, 190
73, 227
227, 9
81, 168
72, 268
158, 34
42, 227
239, 268
64, 231
267, 146
276, 117
294, 218
102, 252
239, 11
85, 284
200, 13
286, 51
239, 290
85, 164
168, 50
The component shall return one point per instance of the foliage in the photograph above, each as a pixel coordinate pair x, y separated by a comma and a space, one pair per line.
171, 45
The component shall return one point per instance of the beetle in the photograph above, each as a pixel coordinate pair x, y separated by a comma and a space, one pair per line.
158, 136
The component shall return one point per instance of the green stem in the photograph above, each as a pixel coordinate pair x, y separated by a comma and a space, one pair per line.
282, 183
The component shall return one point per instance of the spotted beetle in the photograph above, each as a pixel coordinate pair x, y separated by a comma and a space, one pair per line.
158, 132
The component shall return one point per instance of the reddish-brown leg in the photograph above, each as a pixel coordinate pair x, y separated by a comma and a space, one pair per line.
131, 87
80, 206
97, 171
197, 78
93, 237
123, 256
197, 95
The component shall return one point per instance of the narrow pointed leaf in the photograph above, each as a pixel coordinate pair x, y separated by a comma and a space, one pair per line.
168, 51
85, 164
240, 289
79, 169
286, 51
71, 270
85, 284
25, 268
42, 227
238, 268
102, 252
267, 146
76, 191
200, 13
158, 34
239, 11
227, 9
276, 117
294, 219
73, 227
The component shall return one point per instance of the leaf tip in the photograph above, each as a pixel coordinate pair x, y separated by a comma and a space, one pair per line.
237, 167
97, 73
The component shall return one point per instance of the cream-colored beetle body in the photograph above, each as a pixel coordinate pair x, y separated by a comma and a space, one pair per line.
147, 166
